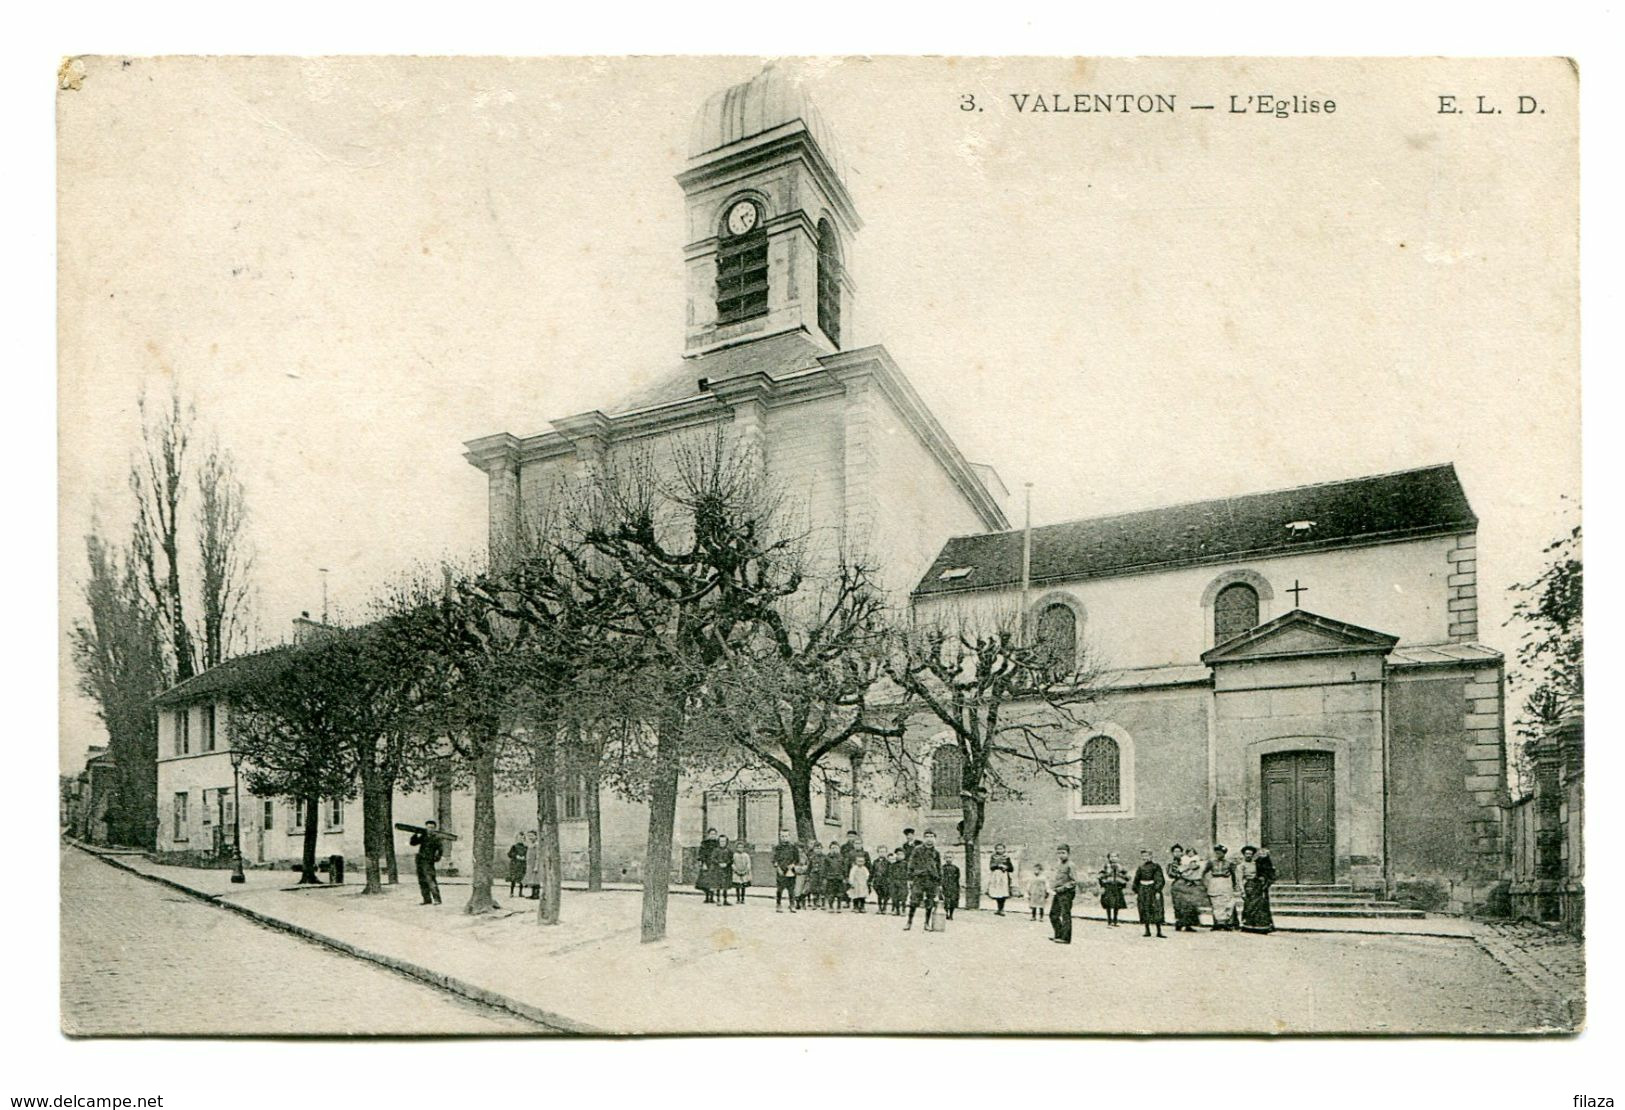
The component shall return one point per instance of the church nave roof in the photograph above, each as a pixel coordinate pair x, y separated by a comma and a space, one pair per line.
1409, 504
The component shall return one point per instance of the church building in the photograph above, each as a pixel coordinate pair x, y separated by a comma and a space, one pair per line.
1298, 669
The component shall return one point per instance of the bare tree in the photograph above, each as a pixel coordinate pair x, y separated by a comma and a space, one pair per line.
800, 691
158, 481
696, 550
460, 642
225, 561
164, 479
1012, 706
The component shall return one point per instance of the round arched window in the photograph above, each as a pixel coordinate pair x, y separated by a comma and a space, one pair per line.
1235, 611
1058, 635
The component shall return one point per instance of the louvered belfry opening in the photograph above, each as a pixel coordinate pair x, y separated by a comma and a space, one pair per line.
742, 276
829, 282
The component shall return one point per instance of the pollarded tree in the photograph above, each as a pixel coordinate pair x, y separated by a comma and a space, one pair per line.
1013, 705
461, 645
696, 551
298, 717
800, 691
392, 744
552, 629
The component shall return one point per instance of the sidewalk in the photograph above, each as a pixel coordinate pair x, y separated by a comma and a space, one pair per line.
737, 969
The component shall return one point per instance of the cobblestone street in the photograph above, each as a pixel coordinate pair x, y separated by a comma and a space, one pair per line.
140, 958
1547, 961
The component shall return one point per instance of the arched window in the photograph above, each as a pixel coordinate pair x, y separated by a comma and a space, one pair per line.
742, 264
1235, 611
1100, 772
947, 776
1058, 635
829, 282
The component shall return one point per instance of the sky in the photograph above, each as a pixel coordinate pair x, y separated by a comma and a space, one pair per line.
356, 265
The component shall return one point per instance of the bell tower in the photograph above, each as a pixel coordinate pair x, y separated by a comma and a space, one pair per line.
769, 220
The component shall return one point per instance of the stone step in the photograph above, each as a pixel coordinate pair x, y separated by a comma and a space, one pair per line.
1315, 888
1325, 899
1390, 911
1360, 907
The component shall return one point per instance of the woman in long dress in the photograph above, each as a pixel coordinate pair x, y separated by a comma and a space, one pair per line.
1257, 876
1219, 875
1001, 870
1113, 878
703, 866
1185, 878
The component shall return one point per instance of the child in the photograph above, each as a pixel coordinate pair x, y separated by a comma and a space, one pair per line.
1112, 881
1037, 892
834, 877
857, 882
950, 888
741, 869
877, 878
807, 875
897, 876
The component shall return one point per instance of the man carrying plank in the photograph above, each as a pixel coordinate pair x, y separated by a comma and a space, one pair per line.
428, 843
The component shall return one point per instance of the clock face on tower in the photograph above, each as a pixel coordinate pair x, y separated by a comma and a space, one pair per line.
741, 218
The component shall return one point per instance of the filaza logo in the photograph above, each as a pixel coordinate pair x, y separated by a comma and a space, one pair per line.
1589, 1100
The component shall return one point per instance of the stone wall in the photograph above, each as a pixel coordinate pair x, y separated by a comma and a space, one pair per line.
1446, 787
1162, 737
1545, 856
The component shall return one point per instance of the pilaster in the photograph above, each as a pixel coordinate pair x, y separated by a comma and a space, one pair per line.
860, 467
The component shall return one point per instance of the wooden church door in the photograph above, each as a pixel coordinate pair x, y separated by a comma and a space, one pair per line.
1298, 816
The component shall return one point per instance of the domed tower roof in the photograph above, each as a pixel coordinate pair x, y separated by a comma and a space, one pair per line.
770, 100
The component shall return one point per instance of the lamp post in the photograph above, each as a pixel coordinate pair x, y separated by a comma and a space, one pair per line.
236, 817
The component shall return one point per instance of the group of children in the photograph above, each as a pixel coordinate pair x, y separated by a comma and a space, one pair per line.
844, 875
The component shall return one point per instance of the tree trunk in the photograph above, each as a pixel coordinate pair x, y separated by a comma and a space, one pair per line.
485, 826
389, 836
971, 880
547, 824
595, 830
185, 667
373, 829
307, 873
801, 802
662, 824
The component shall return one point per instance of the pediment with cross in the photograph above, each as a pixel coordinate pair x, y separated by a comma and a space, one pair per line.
1299, 633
